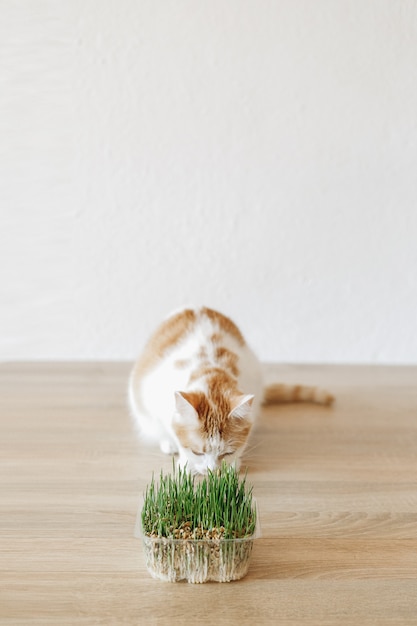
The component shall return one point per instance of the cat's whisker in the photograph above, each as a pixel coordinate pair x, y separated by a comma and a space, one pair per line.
251, 447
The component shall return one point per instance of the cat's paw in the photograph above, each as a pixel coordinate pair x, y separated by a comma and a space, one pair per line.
167, 447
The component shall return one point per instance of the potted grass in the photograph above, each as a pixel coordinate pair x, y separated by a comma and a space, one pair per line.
198, 530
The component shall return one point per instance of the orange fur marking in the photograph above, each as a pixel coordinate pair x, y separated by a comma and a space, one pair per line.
228, 359
224, 323
237, 432
214, 408
166, 336
184, 434
277, 393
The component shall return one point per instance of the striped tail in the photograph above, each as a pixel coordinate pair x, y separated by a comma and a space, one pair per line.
279, 393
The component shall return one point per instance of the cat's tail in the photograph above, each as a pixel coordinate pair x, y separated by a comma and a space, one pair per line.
280, 393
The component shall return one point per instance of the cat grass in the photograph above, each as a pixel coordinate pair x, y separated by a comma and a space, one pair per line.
198, 530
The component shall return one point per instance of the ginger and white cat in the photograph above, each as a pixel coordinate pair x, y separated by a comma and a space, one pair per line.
197, 389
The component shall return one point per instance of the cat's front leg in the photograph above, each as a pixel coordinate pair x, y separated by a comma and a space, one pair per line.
168, 446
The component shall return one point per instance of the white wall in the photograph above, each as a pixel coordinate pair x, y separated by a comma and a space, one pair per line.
252, 155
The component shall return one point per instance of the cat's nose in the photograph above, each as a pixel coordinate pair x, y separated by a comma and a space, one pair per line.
212, 464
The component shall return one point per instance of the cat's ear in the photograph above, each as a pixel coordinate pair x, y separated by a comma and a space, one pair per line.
186, 405
241, 406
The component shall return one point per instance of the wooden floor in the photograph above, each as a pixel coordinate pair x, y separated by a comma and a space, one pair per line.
336, 489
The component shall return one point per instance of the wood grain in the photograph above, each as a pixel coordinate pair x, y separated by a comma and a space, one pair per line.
336, 489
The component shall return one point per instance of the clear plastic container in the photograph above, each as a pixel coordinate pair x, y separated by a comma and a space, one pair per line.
197, 560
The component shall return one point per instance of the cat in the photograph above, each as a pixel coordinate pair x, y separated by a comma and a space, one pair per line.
197, 389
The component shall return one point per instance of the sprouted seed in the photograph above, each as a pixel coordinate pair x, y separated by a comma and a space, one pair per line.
198, 530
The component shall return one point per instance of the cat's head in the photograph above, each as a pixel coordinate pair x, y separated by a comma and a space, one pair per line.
210, 429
